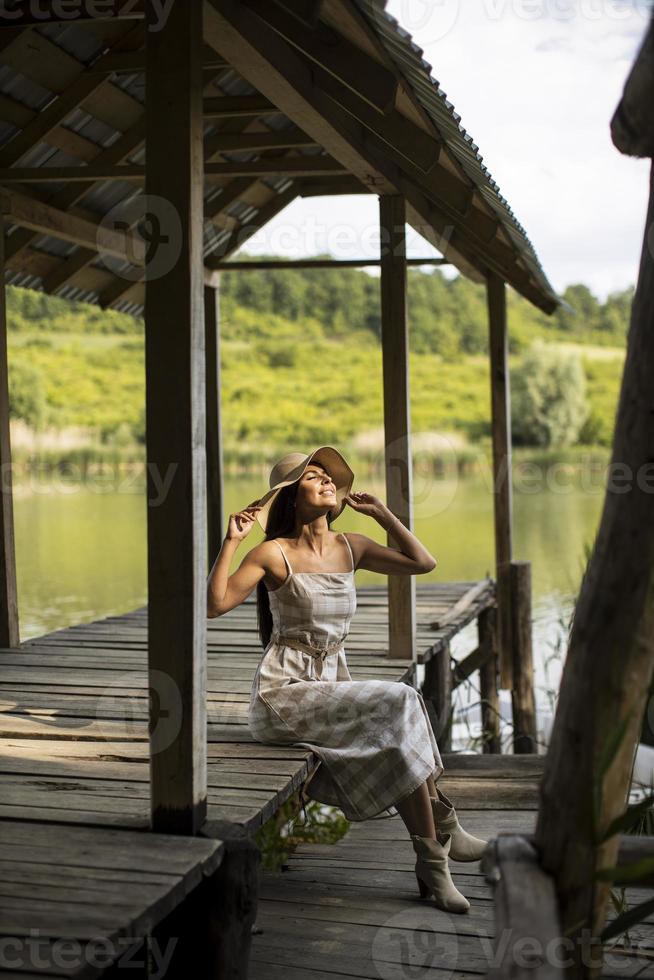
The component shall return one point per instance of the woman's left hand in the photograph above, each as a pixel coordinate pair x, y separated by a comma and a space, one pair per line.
365, 503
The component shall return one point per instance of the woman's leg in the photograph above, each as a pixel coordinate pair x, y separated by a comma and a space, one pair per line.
416, 812
431, 785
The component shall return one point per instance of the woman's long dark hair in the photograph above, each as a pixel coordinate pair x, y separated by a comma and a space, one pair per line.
280, 524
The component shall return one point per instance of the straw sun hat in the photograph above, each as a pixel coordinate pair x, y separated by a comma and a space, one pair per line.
290, 468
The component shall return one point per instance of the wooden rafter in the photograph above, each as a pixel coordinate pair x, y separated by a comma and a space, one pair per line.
117, 291
244, 232
29, 213
133, 62
252, 142
282, 166
224, 106
255, 264
352, 66
281, 73
47, 120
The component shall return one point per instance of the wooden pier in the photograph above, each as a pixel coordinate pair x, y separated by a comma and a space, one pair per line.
352, 909
74, 756
74, 735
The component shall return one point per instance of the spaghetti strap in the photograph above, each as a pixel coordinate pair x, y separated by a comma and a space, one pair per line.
290, 570
349, 549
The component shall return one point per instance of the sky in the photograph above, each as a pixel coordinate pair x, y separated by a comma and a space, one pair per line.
535, 83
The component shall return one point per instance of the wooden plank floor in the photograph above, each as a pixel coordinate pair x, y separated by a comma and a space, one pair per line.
352, 909
90, 895
74, 726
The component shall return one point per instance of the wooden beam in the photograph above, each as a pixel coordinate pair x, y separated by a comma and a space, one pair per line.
528, 929
461, 605
250, 142
56, 111
502, 478
306, 11
272, 66
437, 694
245, 265
215, 469
397, 415
246, 231
47, 220
69, 196
90, 172
338, 56
488, 681
175, 432
303, 166
607, 671
120, 288
317, 187
9, 628
224, 106
297, 86
133, 62
279, 166
523, 700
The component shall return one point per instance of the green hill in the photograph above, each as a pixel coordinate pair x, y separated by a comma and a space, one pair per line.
301, 357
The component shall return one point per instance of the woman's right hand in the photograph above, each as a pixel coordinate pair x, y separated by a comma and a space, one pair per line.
241, 523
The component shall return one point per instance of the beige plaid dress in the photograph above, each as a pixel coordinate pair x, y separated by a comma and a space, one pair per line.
373, 738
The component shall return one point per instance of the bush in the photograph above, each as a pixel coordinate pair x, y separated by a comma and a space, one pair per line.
548, 397
26, 395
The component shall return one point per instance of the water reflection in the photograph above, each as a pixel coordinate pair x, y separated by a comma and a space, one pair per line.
81, 555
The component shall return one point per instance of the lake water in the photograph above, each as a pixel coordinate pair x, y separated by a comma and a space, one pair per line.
81, 555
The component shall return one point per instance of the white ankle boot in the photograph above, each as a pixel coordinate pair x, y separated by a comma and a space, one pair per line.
433, 873
465, 847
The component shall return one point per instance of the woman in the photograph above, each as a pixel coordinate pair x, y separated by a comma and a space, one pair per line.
374, 740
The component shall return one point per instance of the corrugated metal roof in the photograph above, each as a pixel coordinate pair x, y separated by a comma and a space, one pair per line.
408, 57
82, 43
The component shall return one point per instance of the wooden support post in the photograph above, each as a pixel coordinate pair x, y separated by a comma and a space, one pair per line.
215, 492
488, 680
522, 694
9, 631
397, 415
175, 429
502, 489
437, 693
212, 929
608, 667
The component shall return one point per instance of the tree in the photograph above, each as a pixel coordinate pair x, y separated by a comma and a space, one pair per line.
548, 397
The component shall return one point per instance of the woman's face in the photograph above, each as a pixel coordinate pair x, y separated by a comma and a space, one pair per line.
316, 488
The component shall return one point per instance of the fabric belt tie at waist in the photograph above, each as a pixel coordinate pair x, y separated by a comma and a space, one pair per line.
318, 652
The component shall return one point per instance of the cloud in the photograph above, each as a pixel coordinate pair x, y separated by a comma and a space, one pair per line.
537, 95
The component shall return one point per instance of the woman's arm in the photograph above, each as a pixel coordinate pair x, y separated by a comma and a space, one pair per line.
412, 559
225, 591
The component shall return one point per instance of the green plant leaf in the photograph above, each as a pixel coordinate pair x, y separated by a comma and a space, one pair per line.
626, 873
627, 919
629, 818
